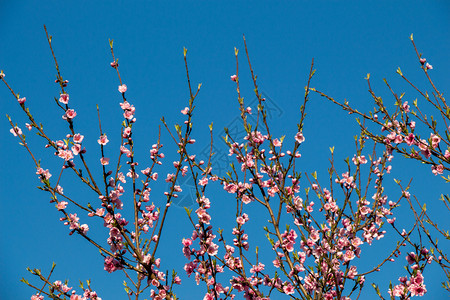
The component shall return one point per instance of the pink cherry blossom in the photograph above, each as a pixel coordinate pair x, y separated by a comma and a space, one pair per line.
349, 255
44, 173
410, 139
65, 154
76, 149
435, 140
288, 289
22, 100
411, 258
233, 77
439, 169
78, 138
62, 205
64, 98
75, 297
84, 228
185, 111
16, 131
70, 114
104, 161
299, 137
203, 181
103, 140
122, 88
405, 106
277, 143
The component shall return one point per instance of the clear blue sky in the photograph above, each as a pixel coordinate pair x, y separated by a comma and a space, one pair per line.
347, 40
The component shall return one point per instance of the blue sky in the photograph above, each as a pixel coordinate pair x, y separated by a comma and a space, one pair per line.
347, 40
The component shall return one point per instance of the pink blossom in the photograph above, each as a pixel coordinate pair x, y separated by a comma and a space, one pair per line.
288, 289
125, 151
246, 199
258, 268
417, 290
16, 131
103, 140
213, 249
78, 138
429, 67
423, 145
65, 154
423, 60
349, 255
122, 88
185, 111
64, 98
104, 161
70, 114
76, 149
435, 140
125, 105
203, 181
447, 154
22, 100
411, 258
398, 291
170, 177
398, 139
240, 220
111, 264
44, 173
208, 296
28, 126
132, 174
233, 77
84, 228
410, 139
426, 153
299, 137
127, 132
439, 169
62, 205
203, 216
59, 189
277, 143
405, 106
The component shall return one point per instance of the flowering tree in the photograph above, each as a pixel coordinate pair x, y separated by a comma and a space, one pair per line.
405, 131
317, 229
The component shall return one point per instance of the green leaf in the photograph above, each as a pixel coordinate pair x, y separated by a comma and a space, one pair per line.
188, 211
